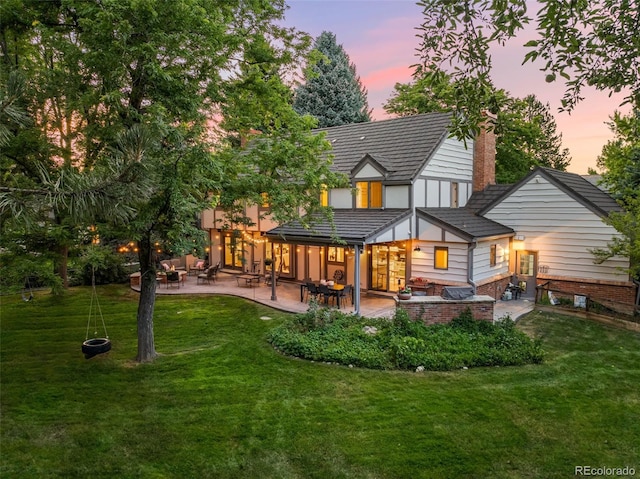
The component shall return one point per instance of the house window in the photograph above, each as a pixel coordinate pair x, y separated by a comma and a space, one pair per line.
265, 201
492, 255
441, 257
324, 196
369, 194
335, 254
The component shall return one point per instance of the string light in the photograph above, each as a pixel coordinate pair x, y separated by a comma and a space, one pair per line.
248, 238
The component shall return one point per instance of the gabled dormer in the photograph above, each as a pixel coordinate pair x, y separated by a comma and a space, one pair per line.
367, 178
370, 167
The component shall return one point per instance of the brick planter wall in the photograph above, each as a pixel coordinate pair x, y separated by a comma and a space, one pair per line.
495, 288
437, 310
621, 292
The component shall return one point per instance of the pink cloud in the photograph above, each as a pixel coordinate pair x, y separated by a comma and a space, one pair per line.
386, 79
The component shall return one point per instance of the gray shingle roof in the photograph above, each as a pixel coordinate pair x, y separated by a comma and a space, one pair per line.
401, 145
352, 226
464, 222
480, 199
574, 185
582, 190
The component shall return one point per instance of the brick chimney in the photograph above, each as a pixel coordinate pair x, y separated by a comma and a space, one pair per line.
484, 155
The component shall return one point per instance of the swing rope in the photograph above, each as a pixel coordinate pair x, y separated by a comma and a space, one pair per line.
27, 292
94, 299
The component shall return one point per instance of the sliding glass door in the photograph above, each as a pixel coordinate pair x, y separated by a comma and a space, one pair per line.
388, 267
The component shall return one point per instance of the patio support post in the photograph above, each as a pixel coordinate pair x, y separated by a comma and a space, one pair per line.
274, 296
356, 280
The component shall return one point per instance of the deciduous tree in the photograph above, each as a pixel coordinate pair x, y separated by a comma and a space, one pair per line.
585, 43
620, 163
125, 95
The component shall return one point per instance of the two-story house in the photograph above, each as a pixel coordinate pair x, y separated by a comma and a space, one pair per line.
409, 217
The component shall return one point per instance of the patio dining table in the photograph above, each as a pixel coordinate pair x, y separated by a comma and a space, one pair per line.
249, 279
334, 290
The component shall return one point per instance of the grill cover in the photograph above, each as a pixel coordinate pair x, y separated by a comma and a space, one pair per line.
457, 292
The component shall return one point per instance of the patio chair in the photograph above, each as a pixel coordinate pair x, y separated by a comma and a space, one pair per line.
267, 278
208, 276
312, 291
173, 277
326, 293
344, 294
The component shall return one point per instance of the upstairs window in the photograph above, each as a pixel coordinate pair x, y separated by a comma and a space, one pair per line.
324, 196
369, 194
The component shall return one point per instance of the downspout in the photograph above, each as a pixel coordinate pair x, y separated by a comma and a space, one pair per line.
472, 246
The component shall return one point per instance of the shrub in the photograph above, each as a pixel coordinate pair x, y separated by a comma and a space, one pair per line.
322, 334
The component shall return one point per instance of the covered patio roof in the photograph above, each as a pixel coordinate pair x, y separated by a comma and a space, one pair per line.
353, 227
464, 223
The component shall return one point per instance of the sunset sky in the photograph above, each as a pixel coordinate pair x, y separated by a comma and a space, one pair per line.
380, 38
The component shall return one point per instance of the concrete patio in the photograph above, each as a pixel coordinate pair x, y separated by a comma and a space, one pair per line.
372, 304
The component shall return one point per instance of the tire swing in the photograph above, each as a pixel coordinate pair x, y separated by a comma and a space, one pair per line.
93, 347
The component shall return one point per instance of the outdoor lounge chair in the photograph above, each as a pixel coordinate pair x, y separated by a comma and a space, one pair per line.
197, 268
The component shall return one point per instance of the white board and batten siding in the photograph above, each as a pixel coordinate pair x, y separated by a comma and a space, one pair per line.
340, 198
399, 232
452, 163
397, 196
560, 229
431, 193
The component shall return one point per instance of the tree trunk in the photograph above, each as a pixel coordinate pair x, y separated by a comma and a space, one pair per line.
146, 304
62, 265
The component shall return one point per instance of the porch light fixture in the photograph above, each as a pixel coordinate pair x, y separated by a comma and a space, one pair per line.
417, 249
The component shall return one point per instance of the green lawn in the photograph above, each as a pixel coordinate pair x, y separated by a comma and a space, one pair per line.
221, 403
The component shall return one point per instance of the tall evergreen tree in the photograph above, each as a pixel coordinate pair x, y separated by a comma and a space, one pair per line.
332, 92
